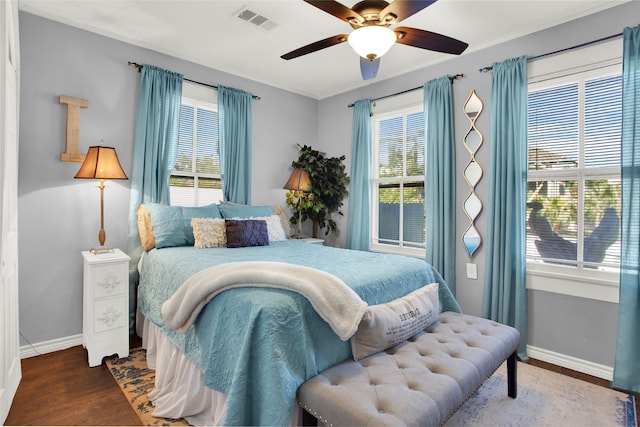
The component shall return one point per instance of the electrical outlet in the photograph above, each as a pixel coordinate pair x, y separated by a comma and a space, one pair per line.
472, 270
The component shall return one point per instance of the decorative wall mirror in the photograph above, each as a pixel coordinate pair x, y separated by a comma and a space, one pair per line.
472, 173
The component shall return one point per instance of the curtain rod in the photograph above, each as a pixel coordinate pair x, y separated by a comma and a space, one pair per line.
533, 58
139, 67
454, 77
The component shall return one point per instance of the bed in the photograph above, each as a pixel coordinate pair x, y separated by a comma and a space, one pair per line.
251, 347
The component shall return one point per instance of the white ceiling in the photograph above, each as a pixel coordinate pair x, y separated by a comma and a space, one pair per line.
208, 32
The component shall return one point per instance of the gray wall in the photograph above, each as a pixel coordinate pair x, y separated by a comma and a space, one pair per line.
59, 216
576, 327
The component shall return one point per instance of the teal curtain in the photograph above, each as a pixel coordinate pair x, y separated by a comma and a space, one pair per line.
154, 156
505, 293
235, 131
440, 178
358, 227
626, 371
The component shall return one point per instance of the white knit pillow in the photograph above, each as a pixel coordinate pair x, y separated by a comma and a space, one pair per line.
385, 325
209, 232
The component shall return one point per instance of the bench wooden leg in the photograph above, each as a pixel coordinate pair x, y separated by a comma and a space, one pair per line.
512, 375
308, 419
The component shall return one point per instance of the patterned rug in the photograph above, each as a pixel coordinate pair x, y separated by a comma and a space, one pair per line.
136, 382
545, 399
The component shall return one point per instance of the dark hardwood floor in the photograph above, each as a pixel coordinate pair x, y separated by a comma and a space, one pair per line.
61, 389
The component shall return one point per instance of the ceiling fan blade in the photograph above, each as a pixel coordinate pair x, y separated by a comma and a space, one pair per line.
369, 68
430, 41
336, 9
313, 47
402, 9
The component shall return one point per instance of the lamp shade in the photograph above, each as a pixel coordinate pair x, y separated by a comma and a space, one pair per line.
373, 41
299, 180
101, 163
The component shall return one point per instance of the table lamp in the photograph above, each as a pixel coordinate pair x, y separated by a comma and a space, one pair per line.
299, 181
101, 163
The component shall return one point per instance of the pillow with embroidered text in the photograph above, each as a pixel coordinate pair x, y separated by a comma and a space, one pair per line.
385, 325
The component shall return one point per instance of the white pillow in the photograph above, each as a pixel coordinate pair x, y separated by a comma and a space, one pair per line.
385, 325
274, 227
284, 220
209, 232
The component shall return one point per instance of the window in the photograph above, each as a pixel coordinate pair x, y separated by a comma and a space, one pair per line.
573, 189
398, 202
196, 180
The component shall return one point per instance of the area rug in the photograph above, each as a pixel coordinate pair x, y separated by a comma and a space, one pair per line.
136, 381
545, 399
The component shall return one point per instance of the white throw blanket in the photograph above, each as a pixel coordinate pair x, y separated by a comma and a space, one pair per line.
332, 299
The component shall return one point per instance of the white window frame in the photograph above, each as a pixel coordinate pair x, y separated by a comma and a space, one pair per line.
597, 60
403, 104
205, 98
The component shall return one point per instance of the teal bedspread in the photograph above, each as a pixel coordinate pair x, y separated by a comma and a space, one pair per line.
257, 345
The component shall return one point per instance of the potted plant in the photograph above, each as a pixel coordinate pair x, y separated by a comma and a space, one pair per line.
328, 189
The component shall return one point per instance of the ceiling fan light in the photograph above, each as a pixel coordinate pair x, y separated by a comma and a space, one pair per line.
372, 41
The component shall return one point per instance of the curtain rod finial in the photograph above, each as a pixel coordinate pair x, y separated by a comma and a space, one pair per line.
135, 65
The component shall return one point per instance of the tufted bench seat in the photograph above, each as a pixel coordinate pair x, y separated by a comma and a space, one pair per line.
419, 382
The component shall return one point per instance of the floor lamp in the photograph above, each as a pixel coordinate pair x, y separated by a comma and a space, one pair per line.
101, 163
298, 182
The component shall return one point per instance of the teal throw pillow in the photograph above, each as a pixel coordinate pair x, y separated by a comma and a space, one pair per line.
188, 212
172, 224
245, 211
168, 225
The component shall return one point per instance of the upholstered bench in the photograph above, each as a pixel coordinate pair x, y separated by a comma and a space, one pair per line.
419, 382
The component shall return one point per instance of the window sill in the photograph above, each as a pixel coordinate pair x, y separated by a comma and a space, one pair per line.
592, 284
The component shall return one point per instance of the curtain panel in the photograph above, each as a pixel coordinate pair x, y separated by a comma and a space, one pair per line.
154, 156
235, 135
505, 293
626, 371
358, 227
440, 180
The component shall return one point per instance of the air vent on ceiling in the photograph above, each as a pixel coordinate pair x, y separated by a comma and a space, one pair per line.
255, 18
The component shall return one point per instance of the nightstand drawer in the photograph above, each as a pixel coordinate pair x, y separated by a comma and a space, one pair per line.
110, 313
110, 279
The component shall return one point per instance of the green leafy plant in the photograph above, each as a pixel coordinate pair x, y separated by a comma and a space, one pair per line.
329, 183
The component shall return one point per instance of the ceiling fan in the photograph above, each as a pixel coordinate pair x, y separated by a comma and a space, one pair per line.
372, 36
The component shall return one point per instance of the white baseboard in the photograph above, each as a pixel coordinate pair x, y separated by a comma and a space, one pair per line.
570, 362
57, 344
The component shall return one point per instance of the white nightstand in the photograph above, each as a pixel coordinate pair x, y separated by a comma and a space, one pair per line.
313, 241
105, 314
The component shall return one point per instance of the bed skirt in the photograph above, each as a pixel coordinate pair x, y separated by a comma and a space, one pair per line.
179, 391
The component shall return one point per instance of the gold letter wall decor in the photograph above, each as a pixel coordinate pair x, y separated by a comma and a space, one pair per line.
73, 128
